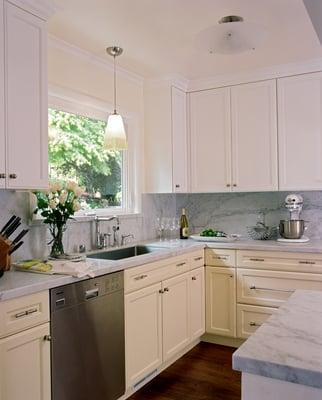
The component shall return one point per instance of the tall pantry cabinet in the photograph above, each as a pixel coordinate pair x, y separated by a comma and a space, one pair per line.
23, 96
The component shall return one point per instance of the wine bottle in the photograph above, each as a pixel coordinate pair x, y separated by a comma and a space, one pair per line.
184, 226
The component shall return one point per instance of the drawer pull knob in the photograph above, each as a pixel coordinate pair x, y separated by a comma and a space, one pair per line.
177, 186
47, 338
198, 258
253, 287
231, 276
307, 262
166, 289
181, 264
13, 176
161, 291
252, 323
138, 278
194, 278
2, 176
25, 313
257, 259
219, 257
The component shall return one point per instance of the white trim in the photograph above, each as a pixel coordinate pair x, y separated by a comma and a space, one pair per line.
55, 42
277, 71
78, 103
179, 81
41, 8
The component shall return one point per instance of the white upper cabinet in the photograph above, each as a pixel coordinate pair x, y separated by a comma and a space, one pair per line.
2, 124
26, 126
165, 139
210, 140
300, 132
254, 136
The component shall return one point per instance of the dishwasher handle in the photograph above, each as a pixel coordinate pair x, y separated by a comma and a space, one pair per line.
90, 294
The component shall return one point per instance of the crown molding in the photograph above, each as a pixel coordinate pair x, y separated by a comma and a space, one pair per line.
41, 8
69, 48
176, 80
277, 71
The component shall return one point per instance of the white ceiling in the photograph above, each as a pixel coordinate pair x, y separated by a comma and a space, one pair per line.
159, 36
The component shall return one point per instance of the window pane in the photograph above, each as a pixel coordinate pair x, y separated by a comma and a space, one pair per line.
76, 152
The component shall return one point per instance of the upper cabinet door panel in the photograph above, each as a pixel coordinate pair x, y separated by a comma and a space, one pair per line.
210, 140
300, 132
179, 140
254, 136
2, 126
26, 99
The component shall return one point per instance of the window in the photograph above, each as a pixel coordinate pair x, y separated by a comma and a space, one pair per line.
76, 152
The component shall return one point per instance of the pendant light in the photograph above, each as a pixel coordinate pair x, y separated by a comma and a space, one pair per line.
115, 136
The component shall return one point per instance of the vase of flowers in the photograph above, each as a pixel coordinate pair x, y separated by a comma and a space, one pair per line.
56, 205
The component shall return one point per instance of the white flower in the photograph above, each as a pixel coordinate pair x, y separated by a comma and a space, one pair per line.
76, 205
63, 198
55, 186
52, 204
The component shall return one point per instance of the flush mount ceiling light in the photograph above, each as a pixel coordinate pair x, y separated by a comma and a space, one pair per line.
115, 135
232, 35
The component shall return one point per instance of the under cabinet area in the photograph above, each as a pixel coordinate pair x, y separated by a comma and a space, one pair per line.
163, 318
25, 348
23, 99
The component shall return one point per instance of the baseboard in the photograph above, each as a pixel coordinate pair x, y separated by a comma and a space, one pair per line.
222, 340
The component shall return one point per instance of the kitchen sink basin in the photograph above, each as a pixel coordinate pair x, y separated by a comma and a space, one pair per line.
125, 252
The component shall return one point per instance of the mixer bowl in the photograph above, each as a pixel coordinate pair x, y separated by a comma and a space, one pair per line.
292, 229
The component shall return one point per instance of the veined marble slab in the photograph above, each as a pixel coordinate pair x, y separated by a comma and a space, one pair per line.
288, 346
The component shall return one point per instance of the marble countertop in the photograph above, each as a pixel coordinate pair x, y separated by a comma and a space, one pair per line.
288, 346
16, 283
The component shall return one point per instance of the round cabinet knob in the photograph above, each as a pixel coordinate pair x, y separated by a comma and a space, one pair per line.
194, 278
177, 186
228, 185
2, 176
47, 338
234, 184
13, 176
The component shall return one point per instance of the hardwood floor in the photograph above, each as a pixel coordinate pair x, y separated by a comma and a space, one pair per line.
204, 373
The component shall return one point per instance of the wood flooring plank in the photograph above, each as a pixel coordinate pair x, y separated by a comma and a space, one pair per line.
205, 373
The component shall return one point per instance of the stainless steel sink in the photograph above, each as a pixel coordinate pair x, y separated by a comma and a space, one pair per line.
125, 252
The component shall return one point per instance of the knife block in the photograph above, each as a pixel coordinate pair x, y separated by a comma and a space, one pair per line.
5, 261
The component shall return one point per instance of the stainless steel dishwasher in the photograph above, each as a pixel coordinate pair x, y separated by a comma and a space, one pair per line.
87, 339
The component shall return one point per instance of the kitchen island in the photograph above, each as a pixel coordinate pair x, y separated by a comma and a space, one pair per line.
283, 359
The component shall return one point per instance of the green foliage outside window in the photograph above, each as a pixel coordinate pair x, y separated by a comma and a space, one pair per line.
76, 152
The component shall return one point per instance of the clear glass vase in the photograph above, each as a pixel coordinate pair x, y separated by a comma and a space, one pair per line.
57, 247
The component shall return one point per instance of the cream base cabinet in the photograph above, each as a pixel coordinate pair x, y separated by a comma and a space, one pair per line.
25, 365
26, 111
143, 324
176, 315
221, 301
197, 303
300, 132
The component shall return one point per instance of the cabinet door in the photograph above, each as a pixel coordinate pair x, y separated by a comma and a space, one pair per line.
2, 123
300, 132
254, 136
25, 365
143, 333
221, 301
210, 143
26, 99
179, 140
197, 303
176, 315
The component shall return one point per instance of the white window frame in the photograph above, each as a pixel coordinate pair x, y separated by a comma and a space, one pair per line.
77, 103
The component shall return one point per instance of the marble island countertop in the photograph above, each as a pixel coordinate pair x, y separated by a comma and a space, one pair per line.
288, 346
17, 283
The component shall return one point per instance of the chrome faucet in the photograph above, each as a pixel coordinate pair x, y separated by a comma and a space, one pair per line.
100, 238
124, 237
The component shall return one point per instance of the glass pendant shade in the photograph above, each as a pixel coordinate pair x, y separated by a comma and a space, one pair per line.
115, 136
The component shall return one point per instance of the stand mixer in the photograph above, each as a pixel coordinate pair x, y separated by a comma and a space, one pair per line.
293, 228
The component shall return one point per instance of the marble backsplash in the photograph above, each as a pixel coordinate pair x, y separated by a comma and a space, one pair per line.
230, 212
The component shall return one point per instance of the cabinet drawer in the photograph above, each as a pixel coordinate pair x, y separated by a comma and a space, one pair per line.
272, 288
250, 318
197, 259
281, 261
220, 258
24, 312
148, 274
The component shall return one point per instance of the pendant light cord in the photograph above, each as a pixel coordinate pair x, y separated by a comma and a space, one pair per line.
114, 86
